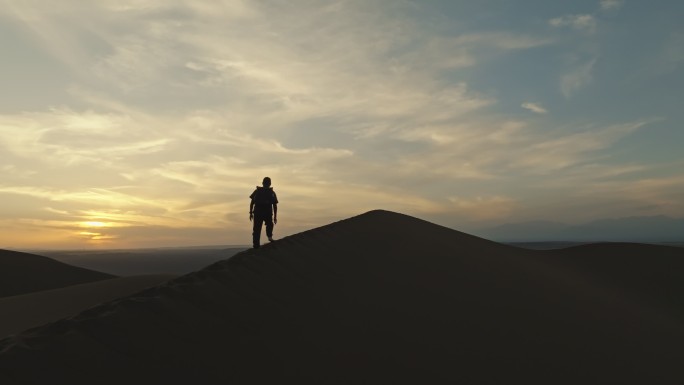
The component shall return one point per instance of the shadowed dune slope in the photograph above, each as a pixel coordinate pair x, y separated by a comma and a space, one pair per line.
652, 274
21, 312
22, 273
381, 298
123, 263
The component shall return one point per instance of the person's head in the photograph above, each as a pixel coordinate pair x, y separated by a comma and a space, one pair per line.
267, 182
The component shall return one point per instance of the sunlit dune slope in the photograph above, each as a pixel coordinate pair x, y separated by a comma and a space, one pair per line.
22, 273
381, 298
21, 312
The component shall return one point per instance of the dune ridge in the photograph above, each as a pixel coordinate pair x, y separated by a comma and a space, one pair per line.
377, 298
22, 273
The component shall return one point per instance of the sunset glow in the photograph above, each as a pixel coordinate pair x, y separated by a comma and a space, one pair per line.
94, 224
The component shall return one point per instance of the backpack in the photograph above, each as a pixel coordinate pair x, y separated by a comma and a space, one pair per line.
263, 196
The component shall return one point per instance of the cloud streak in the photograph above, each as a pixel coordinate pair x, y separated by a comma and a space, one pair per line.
583, 22
534, 107
609, 5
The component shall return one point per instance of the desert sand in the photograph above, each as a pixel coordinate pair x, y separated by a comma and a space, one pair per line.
21, 312
381, 298
124, 263
22, 273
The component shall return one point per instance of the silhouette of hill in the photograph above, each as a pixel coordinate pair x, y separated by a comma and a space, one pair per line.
377, 298
631, 229
22, 273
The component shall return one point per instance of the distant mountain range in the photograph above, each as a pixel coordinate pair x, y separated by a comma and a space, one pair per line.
630, 229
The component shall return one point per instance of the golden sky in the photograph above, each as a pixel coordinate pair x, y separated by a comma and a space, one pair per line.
148, 123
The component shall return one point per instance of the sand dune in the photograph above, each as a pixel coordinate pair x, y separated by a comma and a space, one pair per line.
651, 274
25, 311
381, 298
22, 273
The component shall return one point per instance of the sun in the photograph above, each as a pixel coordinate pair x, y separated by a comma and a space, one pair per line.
94, 224
94, 232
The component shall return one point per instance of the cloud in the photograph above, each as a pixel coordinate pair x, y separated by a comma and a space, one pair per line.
534, 107
584, 23
505, 41
672, 56
609, 5
202, 171
578, 78
177, 110
646, 195
484, 208
564, 151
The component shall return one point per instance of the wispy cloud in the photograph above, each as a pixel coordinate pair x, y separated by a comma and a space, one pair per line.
534, 107
578, 78
485, 207
564, 151
672, 56
646, 195
583, 22
608, 5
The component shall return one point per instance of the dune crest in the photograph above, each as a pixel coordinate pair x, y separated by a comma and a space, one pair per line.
378, 298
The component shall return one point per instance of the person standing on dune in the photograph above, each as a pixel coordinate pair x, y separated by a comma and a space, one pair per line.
263, 209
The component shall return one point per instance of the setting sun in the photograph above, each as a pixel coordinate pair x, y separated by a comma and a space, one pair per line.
93, 224
93, 231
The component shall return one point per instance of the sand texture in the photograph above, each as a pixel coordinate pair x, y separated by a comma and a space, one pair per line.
22, 273
381, 298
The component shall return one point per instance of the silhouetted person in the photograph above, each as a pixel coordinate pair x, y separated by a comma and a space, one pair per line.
263, 208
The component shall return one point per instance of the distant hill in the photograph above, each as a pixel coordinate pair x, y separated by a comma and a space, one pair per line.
381, 298
22, 273
630, 229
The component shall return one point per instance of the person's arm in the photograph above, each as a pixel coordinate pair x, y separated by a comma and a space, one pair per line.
251, 210
275, 213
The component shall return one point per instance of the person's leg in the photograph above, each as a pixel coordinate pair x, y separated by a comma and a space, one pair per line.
256, 231
269, 227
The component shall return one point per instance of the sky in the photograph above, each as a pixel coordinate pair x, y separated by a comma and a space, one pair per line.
149, 123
